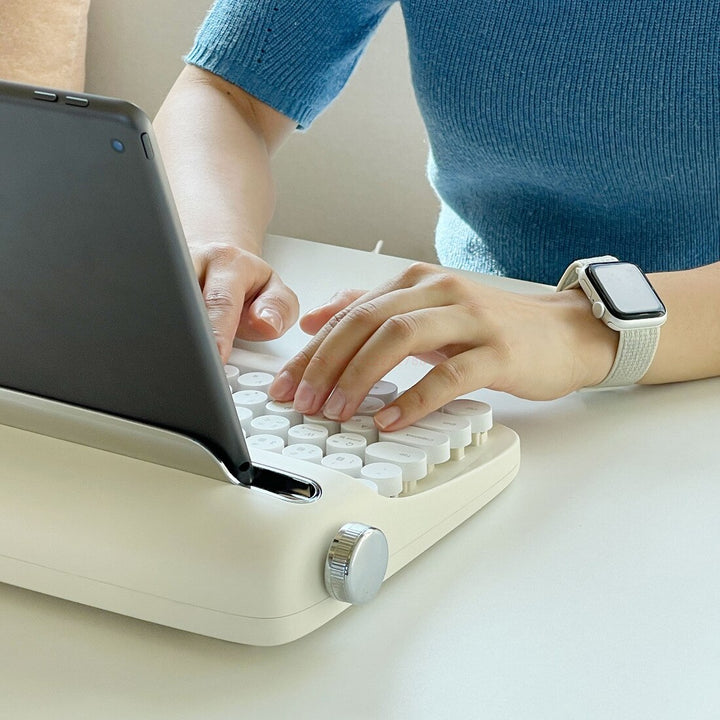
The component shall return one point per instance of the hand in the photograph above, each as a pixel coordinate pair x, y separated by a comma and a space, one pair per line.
243, 295
534, 346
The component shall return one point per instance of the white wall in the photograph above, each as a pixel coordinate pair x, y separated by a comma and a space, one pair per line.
358, 175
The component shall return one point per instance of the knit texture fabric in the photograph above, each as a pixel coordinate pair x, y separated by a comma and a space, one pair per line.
558, 129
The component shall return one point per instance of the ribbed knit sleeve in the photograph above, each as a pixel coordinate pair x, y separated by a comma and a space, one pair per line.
294, 55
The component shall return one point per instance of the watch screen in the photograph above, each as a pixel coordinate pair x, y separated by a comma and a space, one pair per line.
625, 290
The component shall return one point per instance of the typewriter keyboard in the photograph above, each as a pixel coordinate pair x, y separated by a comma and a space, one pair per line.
442, 445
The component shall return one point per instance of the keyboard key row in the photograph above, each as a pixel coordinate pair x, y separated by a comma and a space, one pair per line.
390, 462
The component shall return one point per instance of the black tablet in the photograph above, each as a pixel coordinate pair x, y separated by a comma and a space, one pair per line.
99, 304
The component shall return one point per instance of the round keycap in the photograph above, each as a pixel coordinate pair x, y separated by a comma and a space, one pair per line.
369, 406
270, 425
284, 409
245, 415
478, 413
347, 443
456, 428
387, 477
332, 426
254, 400
361, 425
255, 381
271, 443
232, 374
412, 461
344, 462
311, 434
304, 451
434, 443
384, 390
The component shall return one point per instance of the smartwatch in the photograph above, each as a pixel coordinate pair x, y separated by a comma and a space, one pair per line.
623, 298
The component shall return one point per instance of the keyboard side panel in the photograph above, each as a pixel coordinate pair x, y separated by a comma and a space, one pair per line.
187, 551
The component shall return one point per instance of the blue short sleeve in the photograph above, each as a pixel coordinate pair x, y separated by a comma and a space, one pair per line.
294, 55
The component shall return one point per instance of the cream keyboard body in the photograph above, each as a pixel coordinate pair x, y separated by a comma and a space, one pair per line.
150, 505
141, 521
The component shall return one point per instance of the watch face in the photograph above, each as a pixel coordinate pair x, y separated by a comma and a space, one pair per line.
625, 290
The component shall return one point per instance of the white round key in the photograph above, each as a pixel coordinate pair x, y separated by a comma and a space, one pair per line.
384, 390
253, 400
332, 426
412, 461
283, 409
245, 415
344, 462
304, 451
368, 484
271, 443
434, 443
361, 425
478, 413
232, 374
387, 477
456, 428
369, 406
255, 381
311, 434
351, 443
270, 425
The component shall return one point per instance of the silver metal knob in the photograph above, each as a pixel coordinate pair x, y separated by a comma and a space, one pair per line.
356, 563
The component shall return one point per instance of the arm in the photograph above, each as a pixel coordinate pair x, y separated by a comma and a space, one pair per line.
216, 142
689, 345
534, 346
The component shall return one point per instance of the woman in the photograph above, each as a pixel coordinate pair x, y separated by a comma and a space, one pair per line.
559, 131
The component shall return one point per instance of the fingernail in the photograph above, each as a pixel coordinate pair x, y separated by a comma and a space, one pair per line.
387, 416
304, 398
282, 387
335, 405
272, 318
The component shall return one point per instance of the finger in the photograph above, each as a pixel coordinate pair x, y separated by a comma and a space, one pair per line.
429, 277
415, 333
274, 309
311, 374
285, 385
471, 370
224, 297
345, 300
314, 319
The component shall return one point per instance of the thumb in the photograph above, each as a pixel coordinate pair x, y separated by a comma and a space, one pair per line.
272, 312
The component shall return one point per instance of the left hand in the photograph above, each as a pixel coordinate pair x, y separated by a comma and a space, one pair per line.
537, 347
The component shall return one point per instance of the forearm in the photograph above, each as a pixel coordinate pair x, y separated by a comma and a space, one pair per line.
216, 148
689, 345
216, 142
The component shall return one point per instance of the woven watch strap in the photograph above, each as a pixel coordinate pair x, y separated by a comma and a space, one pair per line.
635, 353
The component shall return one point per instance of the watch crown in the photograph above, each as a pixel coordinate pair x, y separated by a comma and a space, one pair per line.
598, 309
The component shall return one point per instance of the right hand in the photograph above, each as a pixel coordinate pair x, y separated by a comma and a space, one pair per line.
539, 346
244, 296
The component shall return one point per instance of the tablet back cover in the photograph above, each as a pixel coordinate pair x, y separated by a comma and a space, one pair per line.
100, 305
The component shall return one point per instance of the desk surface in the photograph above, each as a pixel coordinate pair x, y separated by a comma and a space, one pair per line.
589, 588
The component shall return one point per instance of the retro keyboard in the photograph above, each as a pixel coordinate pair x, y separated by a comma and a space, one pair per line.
392, 464
132, 518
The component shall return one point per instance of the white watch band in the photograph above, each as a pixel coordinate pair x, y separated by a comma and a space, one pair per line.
636, 347
570, 279
635, 353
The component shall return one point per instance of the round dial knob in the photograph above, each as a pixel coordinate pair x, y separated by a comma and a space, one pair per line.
356, 563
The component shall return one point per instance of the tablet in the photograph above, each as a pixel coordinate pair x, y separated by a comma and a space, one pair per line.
101, 308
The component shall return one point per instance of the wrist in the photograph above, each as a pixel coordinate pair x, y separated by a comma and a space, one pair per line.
227, 242
592, 342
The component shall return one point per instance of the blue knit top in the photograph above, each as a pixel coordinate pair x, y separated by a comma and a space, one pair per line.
558, 129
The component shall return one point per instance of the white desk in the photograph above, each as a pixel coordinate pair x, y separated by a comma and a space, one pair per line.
588, 589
